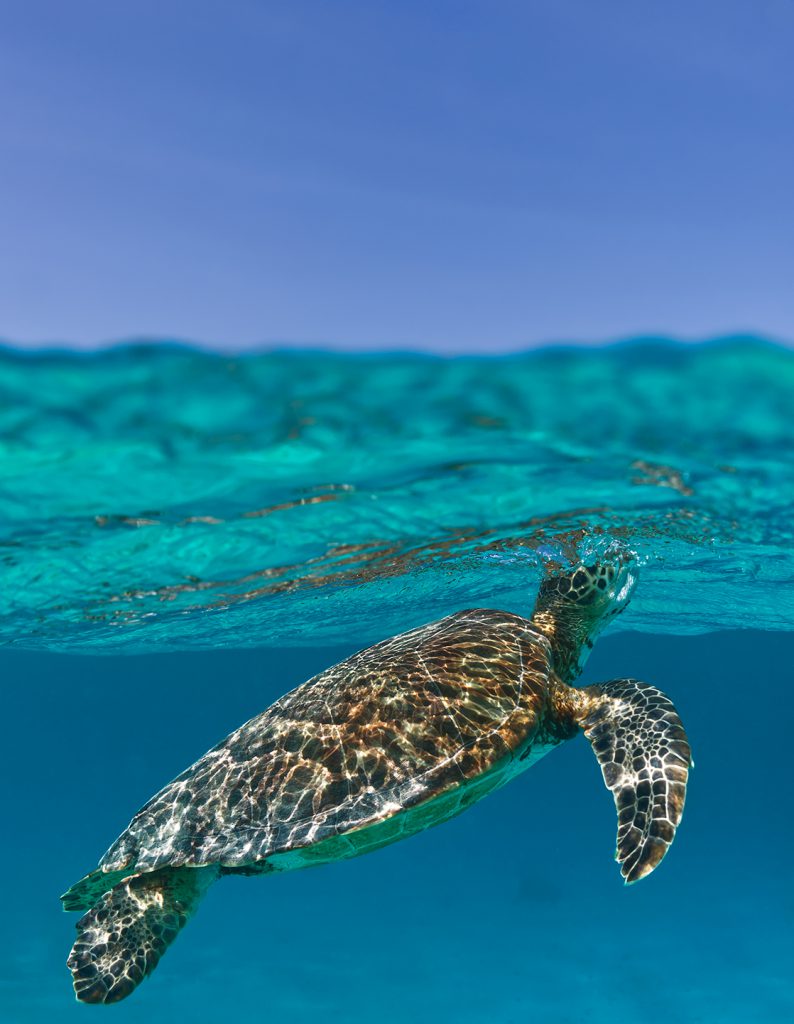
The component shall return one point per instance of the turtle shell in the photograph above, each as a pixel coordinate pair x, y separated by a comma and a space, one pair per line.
395, 725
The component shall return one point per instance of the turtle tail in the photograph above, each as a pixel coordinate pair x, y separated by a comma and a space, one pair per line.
121, 939
645, 758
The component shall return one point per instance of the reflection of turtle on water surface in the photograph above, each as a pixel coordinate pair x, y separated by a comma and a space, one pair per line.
397, 738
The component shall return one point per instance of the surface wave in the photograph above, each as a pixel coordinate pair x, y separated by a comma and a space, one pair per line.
157, 498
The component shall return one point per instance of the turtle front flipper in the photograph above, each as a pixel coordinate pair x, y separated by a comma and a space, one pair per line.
121, 939
644, 754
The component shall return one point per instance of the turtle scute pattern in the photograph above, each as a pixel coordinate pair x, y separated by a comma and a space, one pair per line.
582, 587
403, 721
645, 757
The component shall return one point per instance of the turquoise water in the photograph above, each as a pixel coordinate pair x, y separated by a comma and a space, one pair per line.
159, 499
222, 529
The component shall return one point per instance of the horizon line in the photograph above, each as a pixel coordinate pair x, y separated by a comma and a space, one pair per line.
146, 341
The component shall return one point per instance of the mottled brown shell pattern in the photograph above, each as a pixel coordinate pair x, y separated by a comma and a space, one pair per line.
395, 725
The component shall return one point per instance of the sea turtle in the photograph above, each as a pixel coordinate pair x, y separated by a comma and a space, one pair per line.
400, 736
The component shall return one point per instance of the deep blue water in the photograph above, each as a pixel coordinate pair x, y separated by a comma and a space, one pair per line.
219, 529
513, 912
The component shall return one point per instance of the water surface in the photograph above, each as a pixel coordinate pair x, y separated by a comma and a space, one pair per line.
160, 498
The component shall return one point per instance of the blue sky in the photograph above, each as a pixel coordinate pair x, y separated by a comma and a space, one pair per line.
442, 175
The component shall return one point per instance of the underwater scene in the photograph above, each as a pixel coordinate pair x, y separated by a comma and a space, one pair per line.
187, 536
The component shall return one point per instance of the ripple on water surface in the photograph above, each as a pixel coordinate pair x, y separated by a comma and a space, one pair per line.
161, 498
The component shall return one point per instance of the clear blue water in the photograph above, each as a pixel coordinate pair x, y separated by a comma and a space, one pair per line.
281, 511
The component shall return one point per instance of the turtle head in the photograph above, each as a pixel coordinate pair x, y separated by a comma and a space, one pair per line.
573, 607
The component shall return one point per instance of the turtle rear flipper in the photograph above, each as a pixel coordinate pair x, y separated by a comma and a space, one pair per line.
644, 754
121, 939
